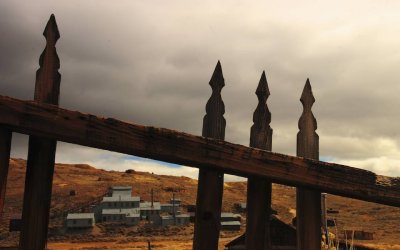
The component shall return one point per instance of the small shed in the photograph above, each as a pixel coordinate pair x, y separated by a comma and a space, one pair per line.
230, 217
80, 220
167, 220
283, 236
182, 219
230, 226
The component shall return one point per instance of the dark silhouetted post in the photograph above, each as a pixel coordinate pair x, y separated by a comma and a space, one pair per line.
308, 201
259, 190
41, 152
211, 182
5, 147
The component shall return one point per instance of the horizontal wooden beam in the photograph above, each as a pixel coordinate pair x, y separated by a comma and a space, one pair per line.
50, 121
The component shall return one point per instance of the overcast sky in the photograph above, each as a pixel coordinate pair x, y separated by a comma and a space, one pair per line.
150, 62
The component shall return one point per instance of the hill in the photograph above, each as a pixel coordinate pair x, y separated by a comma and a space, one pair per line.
90, 184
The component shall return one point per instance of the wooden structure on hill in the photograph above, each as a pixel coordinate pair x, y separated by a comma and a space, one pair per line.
46, 124
282, 236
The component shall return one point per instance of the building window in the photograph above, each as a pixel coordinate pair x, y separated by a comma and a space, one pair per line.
74, 222
104, 218
90, 221
115, 204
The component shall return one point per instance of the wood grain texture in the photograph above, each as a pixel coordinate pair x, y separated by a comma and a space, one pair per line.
308, 202
41, 151
5, 147
258, 189
33, 118
211, 181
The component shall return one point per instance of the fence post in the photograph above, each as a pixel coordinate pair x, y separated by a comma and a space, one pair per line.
259, 190
5, 147
308, 204
41, 152
211, 182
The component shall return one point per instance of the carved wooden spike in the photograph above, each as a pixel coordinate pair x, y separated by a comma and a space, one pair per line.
47, 76
210, 185
214, 122
308, 202
307, 138
261, 132
41, 152
258, 189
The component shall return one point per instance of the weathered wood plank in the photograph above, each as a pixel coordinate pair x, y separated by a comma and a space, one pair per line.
29, 117
259, 189
5, 147
211, 181
41, 151
308, 202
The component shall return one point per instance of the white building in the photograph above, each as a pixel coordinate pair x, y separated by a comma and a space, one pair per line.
149, 209
130, 216
80, 220
120, 202
121, 191
170, 208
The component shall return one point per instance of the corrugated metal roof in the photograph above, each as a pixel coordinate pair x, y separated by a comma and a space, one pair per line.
80, 216
230, 215
121, 188
121, 198
147, 206
169, 205
230, 223
183, 216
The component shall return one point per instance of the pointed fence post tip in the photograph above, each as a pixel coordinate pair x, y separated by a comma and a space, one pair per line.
307, 97
261, 132
51, 28
262, 87
217, 78
308, 202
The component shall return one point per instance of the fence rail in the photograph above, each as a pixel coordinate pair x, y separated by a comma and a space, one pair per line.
46, 123
33, 118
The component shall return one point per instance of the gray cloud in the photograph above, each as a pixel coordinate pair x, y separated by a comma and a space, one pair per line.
150, 63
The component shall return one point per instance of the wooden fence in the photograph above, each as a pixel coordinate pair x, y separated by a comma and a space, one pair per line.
46, 124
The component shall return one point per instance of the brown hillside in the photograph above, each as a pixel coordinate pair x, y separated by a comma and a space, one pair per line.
90, 185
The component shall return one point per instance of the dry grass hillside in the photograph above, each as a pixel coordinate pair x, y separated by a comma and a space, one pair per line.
90, 184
